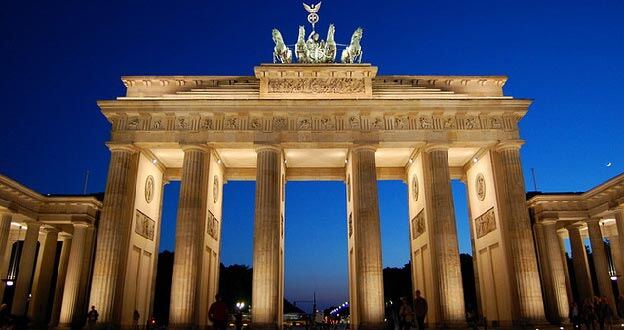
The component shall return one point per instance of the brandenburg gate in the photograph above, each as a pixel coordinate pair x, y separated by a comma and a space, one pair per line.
316, 122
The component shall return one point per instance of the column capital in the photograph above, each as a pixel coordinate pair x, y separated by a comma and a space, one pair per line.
429, 147
64, 235
194, 146
575, 226
509, 145
364, 146
549, 221
33, 224
5, 213
50, 229
262, 147
81, 224
593, 221
122, 147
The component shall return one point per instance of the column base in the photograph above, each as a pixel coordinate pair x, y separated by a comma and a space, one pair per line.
448, 325
270, 326
371, 326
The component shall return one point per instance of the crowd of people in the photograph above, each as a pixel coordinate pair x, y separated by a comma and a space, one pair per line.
595, 313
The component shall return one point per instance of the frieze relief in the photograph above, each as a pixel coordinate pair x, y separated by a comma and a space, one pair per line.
485, 223
212, 226
418, 224
320, 123
144, 226
317, 86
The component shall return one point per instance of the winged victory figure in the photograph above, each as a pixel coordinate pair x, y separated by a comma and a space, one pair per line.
312, 8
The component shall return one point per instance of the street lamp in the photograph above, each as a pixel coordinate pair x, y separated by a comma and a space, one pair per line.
240, 305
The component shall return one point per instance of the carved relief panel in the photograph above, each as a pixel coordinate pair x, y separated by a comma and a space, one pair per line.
212, 226
418, 224
485, 223
144, 226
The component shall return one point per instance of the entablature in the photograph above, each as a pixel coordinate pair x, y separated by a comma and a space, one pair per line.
29, 205
599, 202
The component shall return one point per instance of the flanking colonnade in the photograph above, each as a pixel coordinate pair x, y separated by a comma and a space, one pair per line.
595, 216
46, 253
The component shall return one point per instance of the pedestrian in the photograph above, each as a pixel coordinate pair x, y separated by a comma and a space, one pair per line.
587, 313
218, 314
575, 315
620, 306
604, 313
135, 319
92, 318
4, 316
406, 315
238, 320
420, 310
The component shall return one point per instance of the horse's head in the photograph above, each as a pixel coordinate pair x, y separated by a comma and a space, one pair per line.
357, 35
277, 36
301, 32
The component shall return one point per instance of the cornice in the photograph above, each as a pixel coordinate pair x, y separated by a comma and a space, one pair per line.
23, 200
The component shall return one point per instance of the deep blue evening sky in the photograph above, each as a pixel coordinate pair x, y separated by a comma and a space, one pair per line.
59, 57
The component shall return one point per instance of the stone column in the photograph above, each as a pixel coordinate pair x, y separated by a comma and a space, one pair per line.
26, 267
266, 267
550, 299
189, 237
113, 234
367, 248
60, 280
581, 267
71, 307
601, 264
562, 252
5, 231
85, 275
619, 222
527, 290
441, 213
618, 262
556, 268
42, 282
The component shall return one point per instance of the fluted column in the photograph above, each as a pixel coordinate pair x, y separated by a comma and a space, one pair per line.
557, 272
581, 267
550, 299
60, 280
618, 262
366, 228
527, 290
113, 234
42, 282
266, 254
70, 307
619, 222
564, 258
441, 212
601, 264
5, 231
26, 267
85, 274
189, 237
